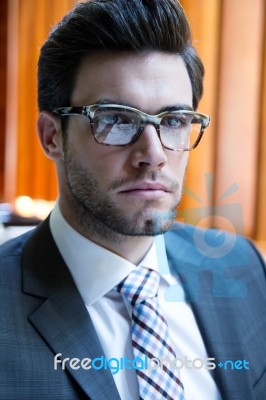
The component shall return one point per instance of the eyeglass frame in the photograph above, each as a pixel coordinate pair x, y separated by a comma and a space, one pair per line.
89, 111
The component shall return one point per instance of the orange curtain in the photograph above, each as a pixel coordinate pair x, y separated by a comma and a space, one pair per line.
3, 72
28, 171
197, 203
260, 214
229, 36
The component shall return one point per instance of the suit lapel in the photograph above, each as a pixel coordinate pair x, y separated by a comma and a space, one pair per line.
62, 318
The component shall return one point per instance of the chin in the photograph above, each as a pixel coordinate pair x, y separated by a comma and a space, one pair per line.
153, 223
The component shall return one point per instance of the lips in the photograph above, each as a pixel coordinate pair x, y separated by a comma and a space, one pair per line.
146, 187
152, 191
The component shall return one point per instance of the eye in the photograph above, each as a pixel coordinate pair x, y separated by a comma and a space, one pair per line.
175, 121
109, 119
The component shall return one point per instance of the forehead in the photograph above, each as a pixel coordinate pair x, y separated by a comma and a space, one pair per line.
148, 81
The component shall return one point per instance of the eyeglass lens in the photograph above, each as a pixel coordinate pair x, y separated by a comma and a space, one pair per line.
121, 127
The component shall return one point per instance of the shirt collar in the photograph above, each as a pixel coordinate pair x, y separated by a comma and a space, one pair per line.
95, 269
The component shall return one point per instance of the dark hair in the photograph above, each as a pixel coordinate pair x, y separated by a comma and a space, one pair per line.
117, 25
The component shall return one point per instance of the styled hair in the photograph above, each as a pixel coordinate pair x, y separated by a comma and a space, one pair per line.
116, 25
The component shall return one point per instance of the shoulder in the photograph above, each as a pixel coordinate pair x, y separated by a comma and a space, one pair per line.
227, 264
211, 248
13, 247
38, 235
10, 255
209, 242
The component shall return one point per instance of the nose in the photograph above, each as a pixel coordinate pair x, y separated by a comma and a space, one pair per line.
148, 151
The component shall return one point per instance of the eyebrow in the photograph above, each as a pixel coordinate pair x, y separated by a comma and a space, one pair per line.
175, 107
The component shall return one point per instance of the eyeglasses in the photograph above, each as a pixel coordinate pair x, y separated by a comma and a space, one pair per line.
118, 125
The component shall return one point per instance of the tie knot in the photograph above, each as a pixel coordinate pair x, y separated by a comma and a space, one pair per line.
141, 284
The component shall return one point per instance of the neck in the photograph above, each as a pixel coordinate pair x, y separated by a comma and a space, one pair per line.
132, 248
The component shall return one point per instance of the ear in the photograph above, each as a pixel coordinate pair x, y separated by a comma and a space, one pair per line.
50, 135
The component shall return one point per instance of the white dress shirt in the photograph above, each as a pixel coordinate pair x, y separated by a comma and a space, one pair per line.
96, 271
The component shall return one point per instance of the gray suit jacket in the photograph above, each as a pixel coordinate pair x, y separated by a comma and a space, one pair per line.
42, 314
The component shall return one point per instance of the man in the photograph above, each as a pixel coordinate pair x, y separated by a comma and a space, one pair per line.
119, 83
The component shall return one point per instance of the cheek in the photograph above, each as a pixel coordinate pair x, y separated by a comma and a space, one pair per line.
108, 167
81, 145
177, 162
105, 163
78, 138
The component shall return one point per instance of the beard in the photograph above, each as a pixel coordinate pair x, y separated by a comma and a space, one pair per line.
97, 213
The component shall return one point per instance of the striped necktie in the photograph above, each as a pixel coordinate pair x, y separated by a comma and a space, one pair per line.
150, 336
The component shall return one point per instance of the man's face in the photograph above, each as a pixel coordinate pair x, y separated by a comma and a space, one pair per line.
132, 190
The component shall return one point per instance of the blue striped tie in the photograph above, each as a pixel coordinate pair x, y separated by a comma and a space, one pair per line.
150, 336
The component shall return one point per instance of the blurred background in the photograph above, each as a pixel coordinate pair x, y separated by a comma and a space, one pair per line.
226, 180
